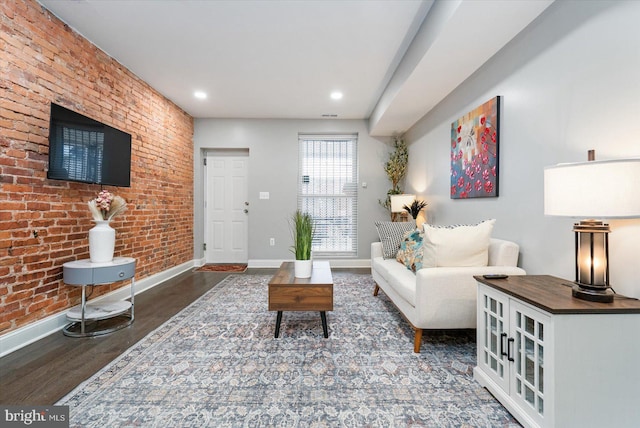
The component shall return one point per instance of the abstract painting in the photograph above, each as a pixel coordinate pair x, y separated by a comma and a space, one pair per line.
474, 152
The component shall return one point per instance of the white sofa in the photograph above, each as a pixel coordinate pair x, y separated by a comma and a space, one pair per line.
439, 297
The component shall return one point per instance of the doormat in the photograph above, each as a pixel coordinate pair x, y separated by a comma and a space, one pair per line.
222, 267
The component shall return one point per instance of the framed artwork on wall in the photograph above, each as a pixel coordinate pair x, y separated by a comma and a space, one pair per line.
475, 140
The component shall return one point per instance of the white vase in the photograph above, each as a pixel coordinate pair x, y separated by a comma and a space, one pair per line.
102, 242
302, 268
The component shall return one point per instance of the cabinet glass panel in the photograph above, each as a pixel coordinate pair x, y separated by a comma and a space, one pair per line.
529, 361
541, 368
486, 335
494, 335
529, 395
518, 349
492, 344
529, 325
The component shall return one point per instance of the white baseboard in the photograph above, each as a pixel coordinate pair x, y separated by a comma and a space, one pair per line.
28, 334
336, 263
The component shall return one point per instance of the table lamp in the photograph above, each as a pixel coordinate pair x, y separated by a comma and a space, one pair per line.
593, 190
398, 202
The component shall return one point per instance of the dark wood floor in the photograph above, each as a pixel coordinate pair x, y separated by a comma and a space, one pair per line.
45, 371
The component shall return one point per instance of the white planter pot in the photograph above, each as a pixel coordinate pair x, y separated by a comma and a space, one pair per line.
302, 268
102, 242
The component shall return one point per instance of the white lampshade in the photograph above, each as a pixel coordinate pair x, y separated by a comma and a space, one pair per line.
594, 189
399, 201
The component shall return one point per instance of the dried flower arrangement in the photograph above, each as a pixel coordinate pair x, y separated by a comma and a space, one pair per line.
106, 206
415, 208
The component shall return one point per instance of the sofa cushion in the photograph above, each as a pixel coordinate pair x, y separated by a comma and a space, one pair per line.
410, 252
460, 245
391, 234
401, 279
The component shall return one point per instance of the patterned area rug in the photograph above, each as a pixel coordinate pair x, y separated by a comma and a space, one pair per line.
223, 267
217, 364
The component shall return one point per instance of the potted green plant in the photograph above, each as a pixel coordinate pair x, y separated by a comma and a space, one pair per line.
302, 228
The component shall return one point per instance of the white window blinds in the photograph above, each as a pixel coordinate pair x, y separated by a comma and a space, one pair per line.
327, 189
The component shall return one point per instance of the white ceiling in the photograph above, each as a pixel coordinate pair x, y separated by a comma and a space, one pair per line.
393, 60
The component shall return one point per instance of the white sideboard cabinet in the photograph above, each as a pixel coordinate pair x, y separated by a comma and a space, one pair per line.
556, 361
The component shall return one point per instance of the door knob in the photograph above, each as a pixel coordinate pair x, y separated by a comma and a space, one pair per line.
246, 211
246, 203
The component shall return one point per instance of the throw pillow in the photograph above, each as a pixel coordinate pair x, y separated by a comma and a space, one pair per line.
460, 245
391, 233
410, 252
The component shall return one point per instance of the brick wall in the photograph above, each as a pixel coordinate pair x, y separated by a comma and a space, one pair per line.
45, 223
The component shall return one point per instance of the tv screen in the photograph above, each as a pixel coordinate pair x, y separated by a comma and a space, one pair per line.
85, 150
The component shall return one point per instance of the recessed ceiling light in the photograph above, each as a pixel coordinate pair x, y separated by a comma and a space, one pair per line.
200, 95
336, 95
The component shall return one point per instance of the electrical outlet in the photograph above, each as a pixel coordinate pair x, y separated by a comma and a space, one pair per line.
272, 241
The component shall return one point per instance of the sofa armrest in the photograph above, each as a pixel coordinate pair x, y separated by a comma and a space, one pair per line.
503, 253
451, 289
376, 249
450, 281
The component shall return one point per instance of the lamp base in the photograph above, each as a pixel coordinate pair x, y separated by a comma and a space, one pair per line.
602, 295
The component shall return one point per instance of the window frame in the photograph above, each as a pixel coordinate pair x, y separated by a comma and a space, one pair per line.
314, 195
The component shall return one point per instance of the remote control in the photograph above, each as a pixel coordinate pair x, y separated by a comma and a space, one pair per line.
495, 276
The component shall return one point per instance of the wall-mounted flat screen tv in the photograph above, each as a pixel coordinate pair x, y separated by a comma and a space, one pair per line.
85, 150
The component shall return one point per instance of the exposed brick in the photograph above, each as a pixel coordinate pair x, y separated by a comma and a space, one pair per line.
43, 61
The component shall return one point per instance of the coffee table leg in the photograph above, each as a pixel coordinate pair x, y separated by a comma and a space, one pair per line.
323, 315
278, 320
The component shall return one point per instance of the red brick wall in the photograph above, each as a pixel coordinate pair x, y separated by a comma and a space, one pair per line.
45, 223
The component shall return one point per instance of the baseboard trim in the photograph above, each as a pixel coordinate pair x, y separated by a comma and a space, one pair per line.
28, 334
336, 263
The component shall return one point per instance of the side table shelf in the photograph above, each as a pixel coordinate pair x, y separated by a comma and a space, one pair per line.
84, 273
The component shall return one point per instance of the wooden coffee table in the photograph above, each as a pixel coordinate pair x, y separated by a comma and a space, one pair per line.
288, 293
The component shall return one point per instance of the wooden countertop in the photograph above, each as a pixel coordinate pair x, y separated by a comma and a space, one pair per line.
553, 295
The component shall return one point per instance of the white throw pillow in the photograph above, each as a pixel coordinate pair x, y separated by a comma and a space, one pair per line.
463, 245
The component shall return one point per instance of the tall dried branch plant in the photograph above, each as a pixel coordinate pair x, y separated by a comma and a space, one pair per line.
396, 169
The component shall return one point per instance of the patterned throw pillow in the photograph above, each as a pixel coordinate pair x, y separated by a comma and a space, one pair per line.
411, 250
391, 233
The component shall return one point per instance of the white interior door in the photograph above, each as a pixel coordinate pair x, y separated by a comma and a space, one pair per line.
226, 209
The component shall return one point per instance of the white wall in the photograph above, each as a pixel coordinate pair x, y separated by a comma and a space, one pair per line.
273, 168
570, 82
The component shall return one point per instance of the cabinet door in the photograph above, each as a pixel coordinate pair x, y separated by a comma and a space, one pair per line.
493, 324
531, 330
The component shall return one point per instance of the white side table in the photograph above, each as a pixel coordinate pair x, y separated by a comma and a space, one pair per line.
83, 273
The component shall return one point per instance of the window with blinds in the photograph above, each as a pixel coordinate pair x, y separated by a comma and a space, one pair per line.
328, 190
